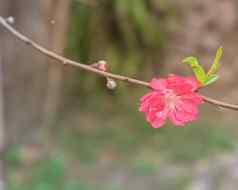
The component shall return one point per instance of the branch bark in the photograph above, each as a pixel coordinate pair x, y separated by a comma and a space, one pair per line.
66, 61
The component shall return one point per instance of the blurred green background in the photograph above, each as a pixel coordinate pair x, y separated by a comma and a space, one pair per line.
98, 139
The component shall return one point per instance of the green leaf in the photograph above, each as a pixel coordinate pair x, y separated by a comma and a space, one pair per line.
197, 68
211, 79
216, 63
202, 77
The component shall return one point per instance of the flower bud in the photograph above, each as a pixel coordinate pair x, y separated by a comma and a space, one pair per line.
10, 20
111, 84
101, 65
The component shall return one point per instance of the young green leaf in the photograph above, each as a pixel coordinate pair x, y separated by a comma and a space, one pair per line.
197, 68
216, 63
211, 79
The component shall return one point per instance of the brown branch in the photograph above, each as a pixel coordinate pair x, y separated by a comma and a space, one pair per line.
66, 61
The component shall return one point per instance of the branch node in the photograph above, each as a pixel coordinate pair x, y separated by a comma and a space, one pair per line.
64, 62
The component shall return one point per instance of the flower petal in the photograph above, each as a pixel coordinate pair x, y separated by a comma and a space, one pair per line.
158, 84
193, 98
153, 105
184, 112
159, 122
193, 83
182, 85
160, 118
151, 99
174, 119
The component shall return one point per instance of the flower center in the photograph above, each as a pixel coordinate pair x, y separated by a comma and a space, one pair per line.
171, 99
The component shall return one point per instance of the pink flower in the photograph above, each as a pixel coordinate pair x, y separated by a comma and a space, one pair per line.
174, 97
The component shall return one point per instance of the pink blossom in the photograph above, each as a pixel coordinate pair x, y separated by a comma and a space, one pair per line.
174, 97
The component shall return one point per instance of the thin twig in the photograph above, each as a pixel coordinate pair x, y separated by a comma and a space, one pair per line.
66, 61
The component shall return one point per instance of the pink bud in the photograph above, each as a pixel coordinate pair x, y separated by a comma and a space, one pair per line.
101, 65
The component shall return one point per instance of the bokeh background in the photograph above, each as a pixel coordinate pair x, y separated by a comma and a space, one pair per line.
62, 129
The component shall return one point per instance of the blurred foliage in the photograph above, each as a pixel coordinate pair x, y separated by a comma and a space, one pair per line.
130, 137
47, 174
129, 35
131, 144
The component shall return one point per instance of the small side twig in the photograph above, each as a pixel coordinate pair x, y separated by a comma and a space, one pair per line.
66, 61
